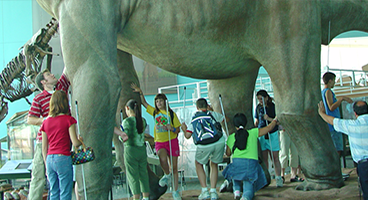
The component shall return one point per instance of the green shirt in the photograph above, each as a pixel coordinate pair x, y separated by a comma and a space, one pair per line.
251, 152
135, 139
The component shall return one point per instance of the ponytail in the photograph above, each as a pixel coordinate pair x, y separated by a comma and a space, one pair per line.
241, 135
133, 104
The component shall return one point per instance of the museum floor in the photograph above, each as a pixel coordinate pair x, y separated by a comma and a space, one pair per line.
192, 184
120, 191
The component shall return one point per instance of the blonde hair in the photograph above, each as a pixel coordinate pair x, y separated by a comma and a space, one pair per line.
58, 103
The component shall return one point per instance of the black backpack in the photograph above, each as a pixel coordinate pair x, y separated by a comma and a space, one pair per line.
206, 129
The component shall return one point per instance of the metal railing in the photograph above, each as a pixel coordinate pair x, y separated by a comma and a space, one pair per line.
349, 81
264, 82
199, 90
194, 90
343, 76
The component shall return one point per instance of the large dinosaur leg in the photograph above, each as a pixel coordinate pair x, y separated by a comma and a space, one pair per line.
237, 96
296, 81
91, 66
128, 75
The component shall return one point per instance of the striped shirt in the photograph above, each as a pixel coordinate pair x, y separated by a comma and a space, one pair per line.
357, 130
40, 104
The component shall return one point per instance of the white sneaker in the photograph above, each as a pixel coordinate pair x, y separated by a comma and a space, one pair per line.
204, 195
237, 194
165, 180
279, 182
213, 195
224, 186
176, 195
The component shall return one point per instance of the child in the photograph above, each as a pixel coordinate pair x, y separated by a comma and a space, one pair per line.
272, 143
135, 156
243, 148
162, 130
207, 148
57, 131
332, 104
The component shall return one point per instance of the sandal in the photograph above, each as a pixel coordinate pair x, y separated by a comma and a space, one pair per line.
296, 179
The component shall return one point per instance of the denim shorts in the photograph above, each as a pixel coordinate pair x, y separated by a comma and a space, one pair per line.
274, 140
243, 169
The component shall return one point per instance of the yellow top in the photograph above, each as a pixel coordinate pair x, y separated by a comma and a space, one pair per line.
161, 119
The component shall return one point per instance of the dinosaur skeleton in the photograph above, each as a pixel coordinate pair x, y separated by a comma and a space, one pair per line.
17, 80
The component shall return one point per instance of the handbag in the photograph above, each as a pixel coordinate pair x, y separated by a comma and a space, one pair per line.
80, 156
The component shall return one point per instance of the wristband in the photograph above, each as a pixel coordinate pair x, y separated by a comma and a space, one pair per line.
174, 130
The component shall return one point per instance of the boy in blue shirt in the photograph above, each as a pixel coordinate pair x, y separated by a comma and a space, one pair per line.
332, 105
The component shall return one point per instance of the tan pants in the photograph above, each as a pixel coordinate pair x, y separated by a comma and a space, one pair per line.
38, 180
288, 151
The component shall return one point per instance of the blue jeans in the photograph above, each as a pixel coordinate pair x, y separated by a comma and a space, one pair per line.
362, 170
248, 189
60, 174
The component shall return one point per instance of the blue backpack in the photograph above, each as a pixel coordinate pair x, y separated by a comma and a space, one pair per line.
206, 129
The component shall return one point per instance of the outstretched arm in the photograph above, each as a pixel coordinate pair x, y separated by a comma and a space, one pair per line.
184, 128
65, 73
322, 112
329, 100
137, 89
268, 118
120, 133
265, 130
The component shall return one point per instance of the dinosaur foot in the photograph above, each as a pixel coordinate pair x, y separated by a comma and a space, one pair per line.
226, 186
157, 192
310, 185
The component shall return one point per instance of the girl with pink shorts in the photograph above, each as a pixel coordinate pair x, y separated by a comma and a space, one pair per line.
167, 127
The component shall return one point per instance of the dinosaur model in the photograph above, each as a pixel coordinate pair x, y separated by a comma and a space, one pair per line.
17, 78
220, 40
